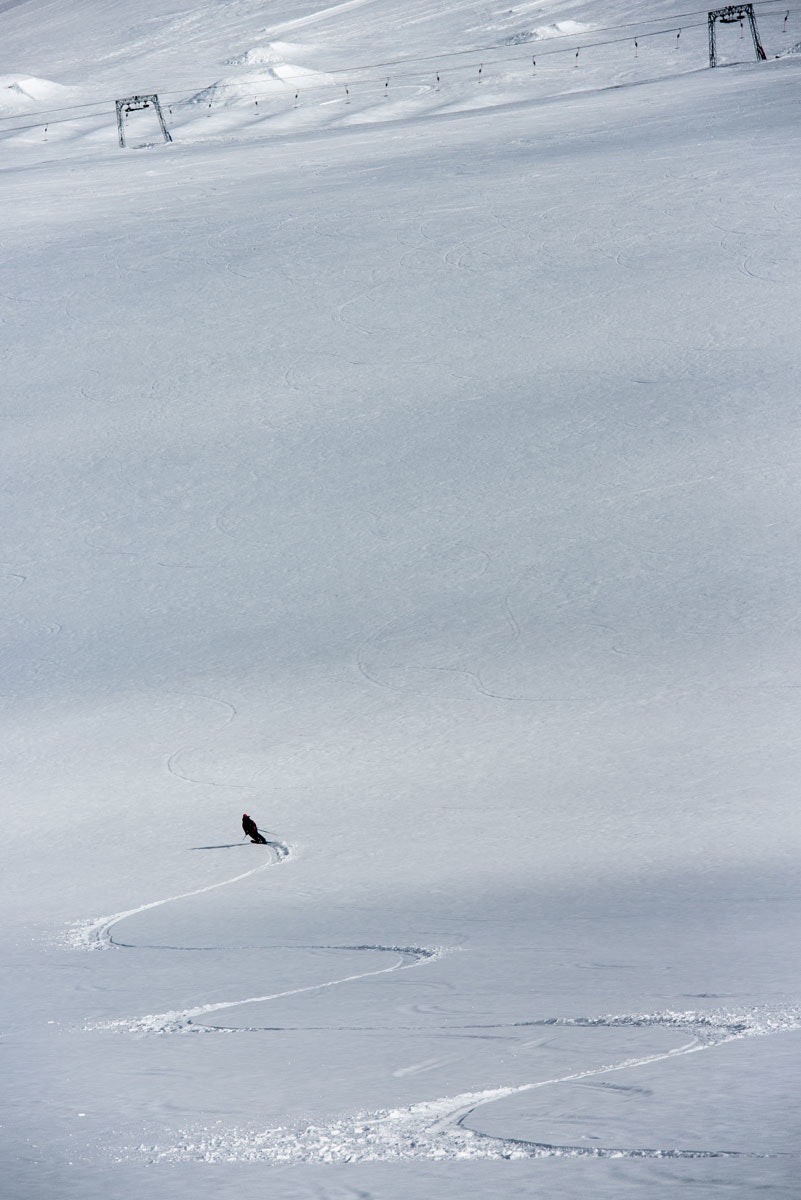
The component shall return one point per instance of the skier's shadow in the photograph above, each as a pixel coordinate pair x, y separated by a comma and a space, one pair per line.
225, 846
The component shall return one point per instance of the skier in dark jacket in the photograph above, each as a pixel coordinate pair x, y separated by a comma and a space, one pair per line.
251, 829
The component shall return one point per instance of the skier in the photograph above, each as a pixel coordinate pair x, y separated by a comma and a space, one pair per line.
251, 829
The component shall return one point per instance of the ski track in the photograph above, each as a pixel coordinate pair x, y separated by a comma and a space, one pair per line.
183, 1020
434, 1129
95, 934
439, 1130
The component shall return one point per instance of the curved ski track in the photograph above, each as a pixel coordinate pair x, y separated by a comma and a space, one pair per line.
439, 1129
95, 934
434, 1129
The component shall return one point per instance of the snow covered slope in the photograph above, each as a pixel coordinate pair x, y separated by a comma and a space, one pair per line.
406, 454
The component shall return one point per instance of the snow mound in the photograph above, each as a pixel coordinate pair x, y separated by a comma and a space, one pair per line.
556, 30
271, 54
560, 29
274, 78
519, 39
23, 94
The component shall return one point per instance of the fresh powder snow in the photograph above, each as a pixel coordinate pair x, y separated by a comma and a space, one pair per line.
400, 445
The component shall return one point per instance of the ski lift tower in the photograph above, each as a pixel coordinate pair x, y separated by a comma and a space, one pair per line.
135, 104
732, 15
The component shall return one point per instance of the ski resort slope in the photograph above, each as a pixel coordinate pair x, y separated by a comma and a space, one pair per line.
406, 453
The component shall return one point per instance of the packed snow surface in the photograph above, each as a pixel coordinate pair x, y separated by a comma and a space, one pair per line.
403, 448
